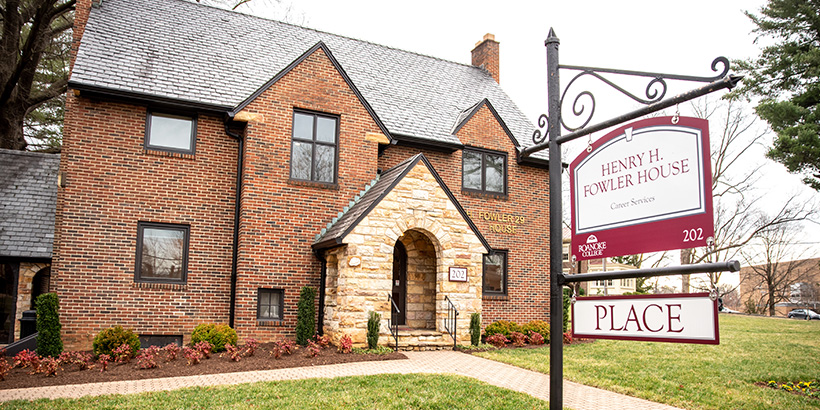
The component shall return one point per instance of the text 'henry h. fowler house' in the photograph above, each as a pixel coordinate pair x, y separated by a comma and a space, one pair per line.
214, 163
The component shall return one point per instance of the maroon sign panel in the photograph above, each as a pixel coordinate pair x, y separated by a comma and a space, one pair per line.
643, 187
676, 318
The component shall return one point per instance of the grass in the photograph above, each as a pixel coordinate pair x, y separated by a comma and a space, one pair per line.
752, 349
414, 391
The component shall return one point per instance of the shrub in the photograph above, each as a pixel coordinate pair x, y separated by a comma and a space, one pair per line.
123, 354
498, 340
536, 338
537, 326
5, 367
345, 344
475, 329
49, 366
312, 349
109, 339
282, 347
567, 302
204, 348
373, 324
322, 341
83, 360
233, 352
104, 359
518, 338
172, 350
147, 359
251, 345
27, 358
49, 342
305, 316
567, 338
194, 356
218, 335
504, 327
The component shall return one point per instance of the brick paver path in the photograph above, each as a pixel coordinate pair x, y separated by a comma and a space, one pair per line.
576, 396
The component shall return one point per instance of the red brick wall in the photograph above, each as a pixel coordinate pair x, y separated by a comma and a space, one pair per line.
111, 185
280, 218
528, 196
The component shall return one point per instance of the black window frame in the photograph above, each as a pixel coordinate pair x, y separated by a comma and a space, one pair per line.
316, 115
484, 152
156, 225
505, 273
281, 293
170, 113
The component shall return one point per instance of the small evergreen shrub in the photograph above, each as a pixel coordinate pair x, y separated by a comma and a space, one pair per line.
373, 324
218, 335
305, 316
49, 342
537, 326
110, 339
567, 303
475, 329
504, 327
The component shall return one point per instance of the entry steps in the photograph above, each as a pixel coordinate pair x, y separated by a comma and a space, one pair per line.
421, 340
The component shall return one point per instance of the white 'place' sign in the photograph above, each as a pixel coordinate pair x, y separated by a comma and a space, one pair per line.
678, 318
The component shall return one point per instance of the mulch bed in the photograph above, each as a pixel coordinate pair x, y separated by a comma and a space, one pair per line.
261, 360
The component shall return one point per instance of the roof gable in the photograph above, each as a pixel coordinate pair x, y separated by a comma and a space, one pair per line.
468, 114
318, 46
334, 234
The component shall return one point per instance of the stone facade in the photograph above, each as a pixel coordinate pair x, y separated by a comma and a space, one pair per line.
25, 288
418, 212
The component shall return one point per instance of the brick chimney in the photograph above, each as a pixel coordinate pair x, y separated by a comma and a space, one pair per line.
485, 55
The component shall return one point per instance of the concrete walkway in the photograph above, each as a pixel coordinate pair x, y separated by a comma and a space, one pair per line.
576, 396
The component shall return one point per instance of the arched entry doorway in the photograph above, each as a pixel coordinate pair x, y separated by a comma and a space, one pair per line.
40, 284
414, 261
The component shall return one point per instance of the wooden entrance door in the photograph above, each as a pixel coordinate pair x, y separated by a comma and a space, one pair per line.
400, 283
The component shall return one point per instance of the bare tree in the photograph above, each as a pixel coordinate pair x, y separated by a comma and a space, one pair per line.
782, 266
738, 220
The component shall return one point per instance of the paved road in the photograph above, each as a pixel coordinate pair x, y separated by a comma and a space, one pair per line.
576, 396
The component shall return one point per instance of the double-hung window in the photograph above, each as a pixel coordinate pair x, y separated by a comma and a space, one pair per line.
162, 253
484, 171
495, 273
314, 147
170, 132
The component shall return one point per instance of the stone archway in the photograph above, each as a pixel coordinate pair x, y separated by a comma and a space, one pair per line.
420, 306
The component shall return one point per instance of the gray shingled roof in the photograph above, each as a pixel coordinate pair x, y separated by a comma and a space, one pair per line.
28, 199
374, 192
190, 52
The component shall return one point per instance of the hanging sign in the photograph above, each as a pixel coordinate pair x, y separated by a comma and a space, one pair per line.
677, 318
644, 187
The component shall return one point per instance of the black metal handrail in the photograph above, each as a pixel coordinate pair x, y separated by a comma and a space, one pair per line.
393, 323
450, 323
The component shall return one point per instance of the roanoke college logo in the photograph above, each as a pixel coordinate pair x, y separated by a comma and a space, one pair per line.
592, 248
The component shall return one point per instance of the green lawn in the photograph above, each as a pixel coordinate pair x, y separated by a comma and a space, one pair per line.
415, 391
692, 376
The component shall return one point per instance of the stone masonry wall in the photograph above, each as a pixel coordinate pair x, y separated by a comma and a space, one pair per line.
415, 204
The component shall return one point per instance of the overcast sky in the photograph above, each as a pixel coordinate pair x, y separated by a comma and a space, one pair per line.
657, 36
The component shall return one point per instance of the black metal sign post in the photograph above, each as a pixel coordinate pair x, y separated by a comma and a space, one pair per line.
653, 102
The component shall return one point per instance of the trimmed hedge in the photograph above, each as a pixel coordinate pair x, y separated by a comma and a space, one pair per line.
218, 335
49, 341
109, 339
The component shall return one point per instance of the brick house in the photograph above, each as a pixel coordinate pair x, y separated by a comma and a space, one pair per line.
215, 163
796, 285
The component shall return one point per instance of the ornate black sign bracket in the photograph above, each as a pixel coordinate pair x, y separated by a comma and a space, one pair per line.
551, 138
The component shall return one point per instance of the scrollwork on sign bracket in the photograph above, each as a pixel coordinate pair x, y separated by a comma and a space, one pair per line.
583, 103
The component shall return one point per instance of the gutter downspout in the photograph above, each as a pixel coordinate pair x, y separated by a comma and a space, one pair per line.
240, 157
323, 279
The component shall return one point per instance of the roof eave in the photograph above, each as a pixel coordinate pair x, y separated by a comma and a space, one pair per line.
145, 98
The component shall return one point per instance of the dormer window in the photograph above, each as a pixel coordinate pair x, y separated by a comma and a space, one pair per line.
484, 171
314, 145
170, 132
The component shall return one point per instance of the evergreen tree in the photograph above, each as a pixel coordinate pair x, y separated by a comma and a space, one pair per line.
305, 316
785, 75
